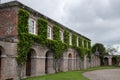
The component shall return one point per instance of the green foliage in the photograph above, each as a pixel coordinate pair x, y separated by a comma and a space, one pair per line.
56, 31
89, 45
57, 46
100, 47
66, 37
85, 44
42, 28
26, 40
74, 40
80, 42
23, 44
23, 21
111, 50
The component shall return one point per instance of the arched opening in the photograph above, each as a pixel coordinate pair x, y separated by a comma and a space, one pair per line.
70, 61
30, 63
114, 61
48, 62
106, 61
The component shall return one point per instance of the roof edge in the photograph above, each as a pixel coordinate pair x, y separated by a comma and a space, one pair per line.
21, 5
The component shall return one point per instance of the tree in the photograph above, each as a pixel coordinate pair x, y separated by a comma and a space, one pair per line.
101, 49
111, 50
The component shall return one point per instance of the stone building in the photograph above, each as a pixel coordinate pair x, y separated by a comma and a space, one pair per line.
40, 58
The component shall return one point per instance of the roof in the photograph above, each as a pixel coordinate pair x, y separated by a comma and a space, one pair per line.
16, 3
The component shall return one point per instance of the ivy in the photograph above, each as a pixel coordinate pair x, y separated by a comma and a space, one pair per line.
80, 41
23, 21
66, 37
56, 31
74, 40
42, 28
26, 40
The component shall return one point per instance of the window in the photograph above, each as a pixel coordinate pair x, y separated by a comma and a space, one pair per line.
77, 41
61, 35
32, 26
70, 39
49, 34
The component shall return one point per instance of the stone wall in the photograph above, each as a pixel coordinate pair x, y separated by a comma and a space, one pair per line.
39, 54
8, 60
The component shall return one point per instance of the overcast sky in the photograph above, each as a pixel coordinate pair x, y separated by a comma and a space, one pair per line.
98, 20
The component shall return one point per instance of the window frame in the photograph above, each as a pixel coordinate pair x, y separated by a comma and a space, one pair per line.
77, 41
61, 35
49, 32
70, 39
31, 27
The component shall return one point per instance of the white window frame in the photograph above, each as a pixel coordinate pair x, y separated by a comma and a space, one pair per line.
49, 32
32, 27
77, 41
70, 39
61, 35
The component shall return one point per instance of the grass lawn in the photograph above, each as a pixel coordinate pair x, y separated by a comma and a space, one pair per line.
70, 75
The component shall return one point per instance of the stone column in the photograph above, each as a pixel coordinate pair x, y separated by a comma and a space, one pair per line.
85, 62
109, 60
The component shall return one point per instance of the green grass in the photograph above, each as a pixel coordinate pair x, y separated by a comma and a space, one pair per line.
71, 75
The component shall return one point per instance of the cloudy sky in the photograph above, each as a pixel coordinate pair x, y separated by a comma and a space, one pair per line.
98, 20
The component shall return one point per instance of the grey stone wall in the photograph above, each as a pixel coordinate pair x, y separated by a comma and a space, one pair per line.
8, 60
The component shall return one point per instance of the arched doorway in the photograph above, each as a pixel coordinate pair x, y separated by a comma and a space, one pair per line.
114, 61
106, 61
49, 62
30, 63
70, 61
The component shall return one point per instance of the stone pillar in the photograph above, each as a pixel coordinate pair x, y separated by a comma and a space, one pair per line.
85, 62
109, 60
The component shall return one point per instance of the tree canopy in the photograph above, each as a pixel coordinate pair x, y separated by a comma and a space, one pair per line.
100, 48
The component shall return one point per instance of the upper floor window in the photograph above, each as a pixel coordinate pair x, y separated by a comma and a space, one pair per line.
70, 39
77, 41
61, 35
49, 32
32, 26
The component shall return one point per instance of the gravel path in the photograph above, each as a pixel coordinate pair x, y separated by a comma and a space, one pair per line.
108, 74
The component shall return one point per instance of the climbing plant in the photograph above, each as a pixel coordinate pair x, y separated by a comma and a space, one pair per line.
74, 40
26, 40
23, 44
80, 42
66, 37
42, 28
56, 31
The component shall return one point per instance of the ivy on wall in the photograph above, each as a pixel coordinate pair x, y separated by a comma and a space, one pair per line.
56, 31
80, 41
23, 44
42, 28
74, 40
66, 37
26, 40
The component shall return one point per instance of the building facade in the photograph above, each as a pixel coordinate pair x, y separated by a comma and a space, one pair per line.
39, 33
